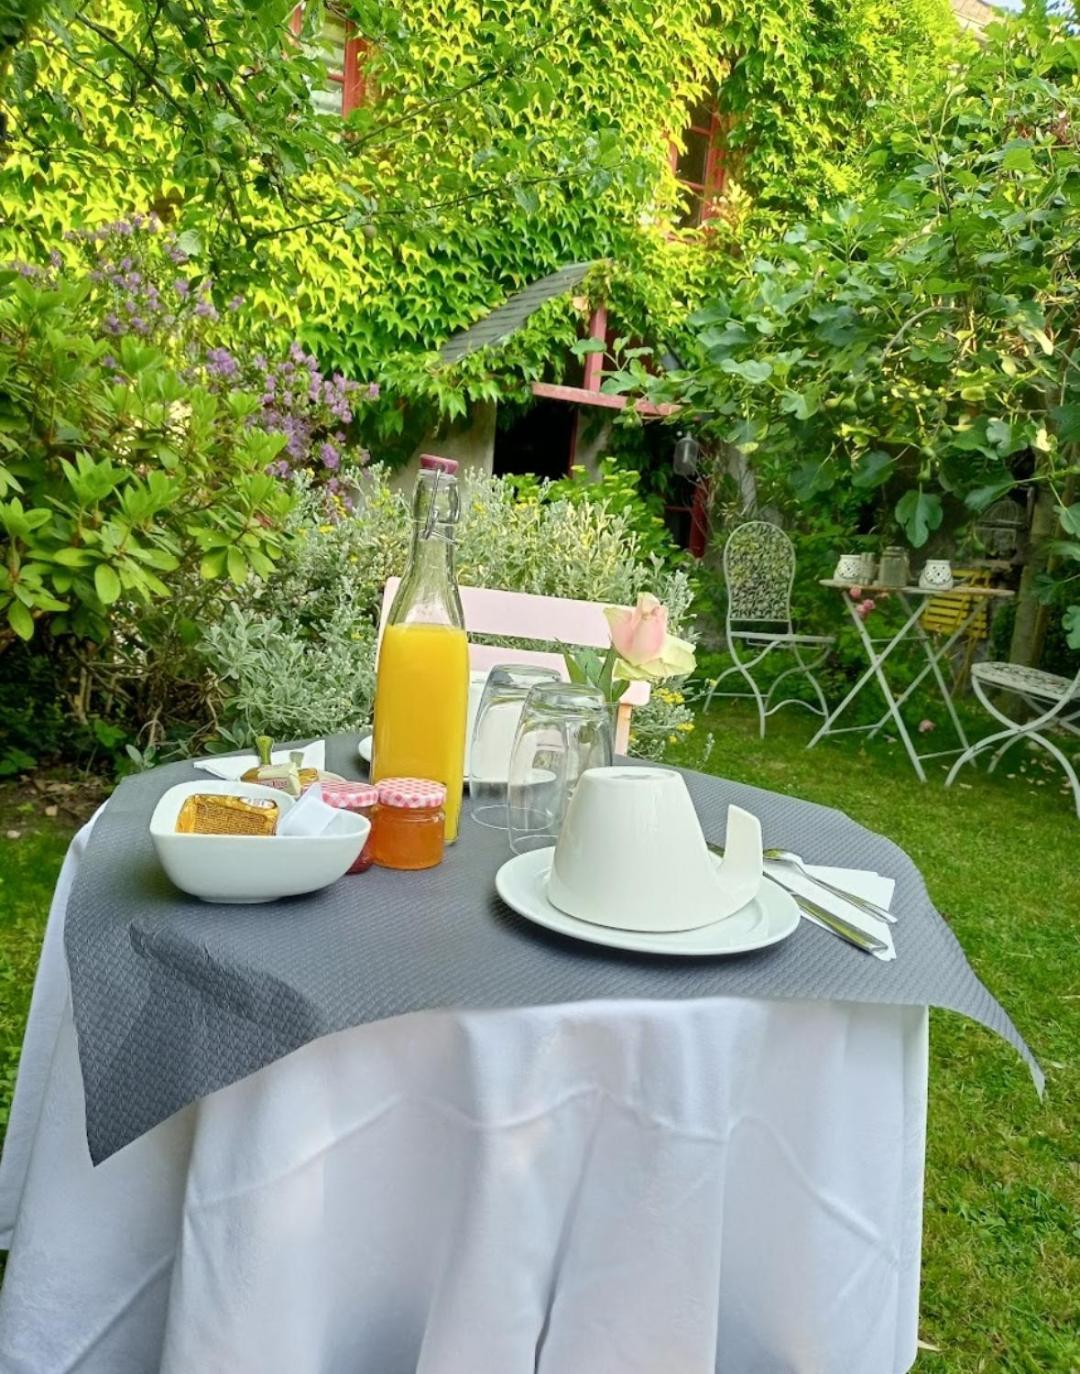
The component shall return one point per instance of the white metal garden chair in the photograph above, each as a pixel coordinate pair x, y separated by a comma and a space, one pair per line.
1054, 700
759, 569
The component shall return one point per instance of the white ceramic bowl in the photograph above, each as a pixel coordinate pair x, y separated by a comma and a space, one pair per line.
252, 868
631, 854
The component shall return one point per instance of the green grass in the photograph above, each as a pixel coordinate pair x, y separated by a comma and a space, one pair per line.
1001, 1258
29, 866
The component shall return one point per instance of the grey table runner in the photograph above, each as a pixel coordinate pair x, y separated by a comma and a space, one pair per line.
174, 998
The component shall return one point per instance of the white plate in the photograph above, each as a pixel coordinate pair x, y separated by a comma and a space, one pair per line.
769, 918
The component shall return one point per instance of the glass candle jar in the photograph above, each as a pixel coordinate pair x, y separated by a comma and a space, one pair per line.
409, 825
360, 797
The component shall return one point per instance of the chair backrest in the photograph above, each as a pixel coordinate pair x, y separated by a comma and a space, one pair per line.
759, 568
946, 613
520, 615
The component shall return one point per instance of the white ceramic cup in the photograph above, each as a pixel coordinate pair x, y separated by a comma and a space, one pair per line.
936, 575
849, 568
631, 854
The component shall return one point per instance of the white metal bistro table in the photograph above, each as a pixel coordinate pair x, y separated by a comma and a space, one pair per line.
881, 648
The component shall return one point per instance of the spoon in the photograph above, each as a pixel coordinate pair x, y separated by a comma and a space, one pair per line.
785, 856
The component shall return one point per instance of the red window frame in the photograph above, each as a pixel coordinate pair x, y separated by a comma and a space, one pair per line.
351, 75
704, 193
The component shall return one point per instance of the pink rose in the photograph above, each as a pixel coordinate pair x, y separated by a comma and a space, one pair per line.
925, 726
854, 593
864, 608
638, 635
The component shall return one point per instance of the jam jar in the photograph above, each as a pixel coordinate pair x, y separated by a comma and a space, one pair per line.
360, 797
409, 825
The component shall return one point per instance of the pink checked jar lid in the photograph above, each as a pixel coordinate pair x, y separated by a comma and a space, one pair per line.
412, 794
350, 796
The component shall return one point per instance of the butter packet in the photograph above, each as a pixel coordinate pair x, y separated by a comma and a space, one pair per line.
210, 813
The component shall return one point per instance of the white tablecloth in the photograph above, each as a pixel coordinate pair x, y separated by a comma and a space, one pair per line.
598, 1188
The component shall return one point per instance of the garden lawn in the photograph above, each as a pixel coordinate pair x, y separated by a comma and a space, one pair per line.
1001, 1257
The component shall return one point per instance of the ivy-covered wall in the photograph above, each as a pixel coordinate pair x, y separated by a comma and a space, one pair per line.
500, 141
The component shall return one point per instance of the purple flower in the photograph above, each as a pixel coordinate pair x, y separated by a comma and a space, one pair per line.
111, 324
205, 309
236, 302
56, 259
181, 286
108, 360
330, 456
373, 391
221, 363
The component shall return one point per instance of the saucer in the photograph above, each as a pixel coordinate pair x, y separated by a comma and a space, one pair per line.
768, 919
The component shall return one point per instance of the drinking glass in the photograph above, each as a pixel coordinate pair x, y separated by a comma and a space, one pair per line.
497, 719
564, 729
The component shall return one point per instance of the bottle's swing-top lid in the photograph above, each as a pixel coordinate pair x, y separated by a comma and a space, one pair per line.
433, 463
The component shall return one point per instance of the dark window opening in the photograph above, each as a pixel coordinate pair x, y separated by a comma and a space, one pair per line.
537, 441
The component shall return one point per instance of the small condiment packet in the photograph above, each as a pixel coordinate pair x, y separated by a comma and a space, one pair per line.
308, 816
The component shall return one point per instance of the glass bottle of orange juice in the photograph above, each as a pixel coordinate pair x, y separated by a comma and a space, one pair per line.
422, 681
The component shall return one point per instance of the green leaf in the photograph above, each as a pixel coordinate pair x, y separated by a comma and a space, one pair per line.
106, 584
189, 242
20, 620
212, 565
872, 470
71, 558
981, 497
919, 512
582, 665
1018, 159
1070, 518
236, 564
1071, 623
527, 199
754, 370
1067, 421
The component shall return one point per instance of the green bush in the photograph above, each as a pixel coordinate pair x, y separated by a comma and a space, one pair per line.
127, 458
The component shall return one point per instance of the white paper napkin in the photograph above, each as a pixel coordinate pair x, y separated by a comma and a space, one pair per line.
874, 887
308, 816
232, 767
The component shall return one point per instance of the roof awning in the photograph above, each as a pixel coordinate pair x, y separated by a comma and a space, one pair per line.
506, 319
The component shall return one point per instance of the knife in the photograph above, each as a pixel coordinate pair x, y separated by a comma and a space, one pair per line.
870, 944
844, 929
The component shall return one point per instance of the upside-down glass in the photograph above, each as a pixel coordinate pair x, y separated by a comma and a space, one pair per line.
497, 719
564, 729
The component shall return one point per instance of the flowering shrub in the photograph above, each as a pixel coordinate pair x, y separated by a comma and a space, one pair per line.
137, 439
144, 280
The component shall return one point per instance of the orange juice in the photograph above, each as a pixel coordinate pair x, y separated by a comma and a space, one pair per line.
421, 700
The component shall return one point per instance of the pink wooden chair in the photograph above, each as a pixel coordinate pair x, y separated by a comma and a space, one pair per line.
518, 615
